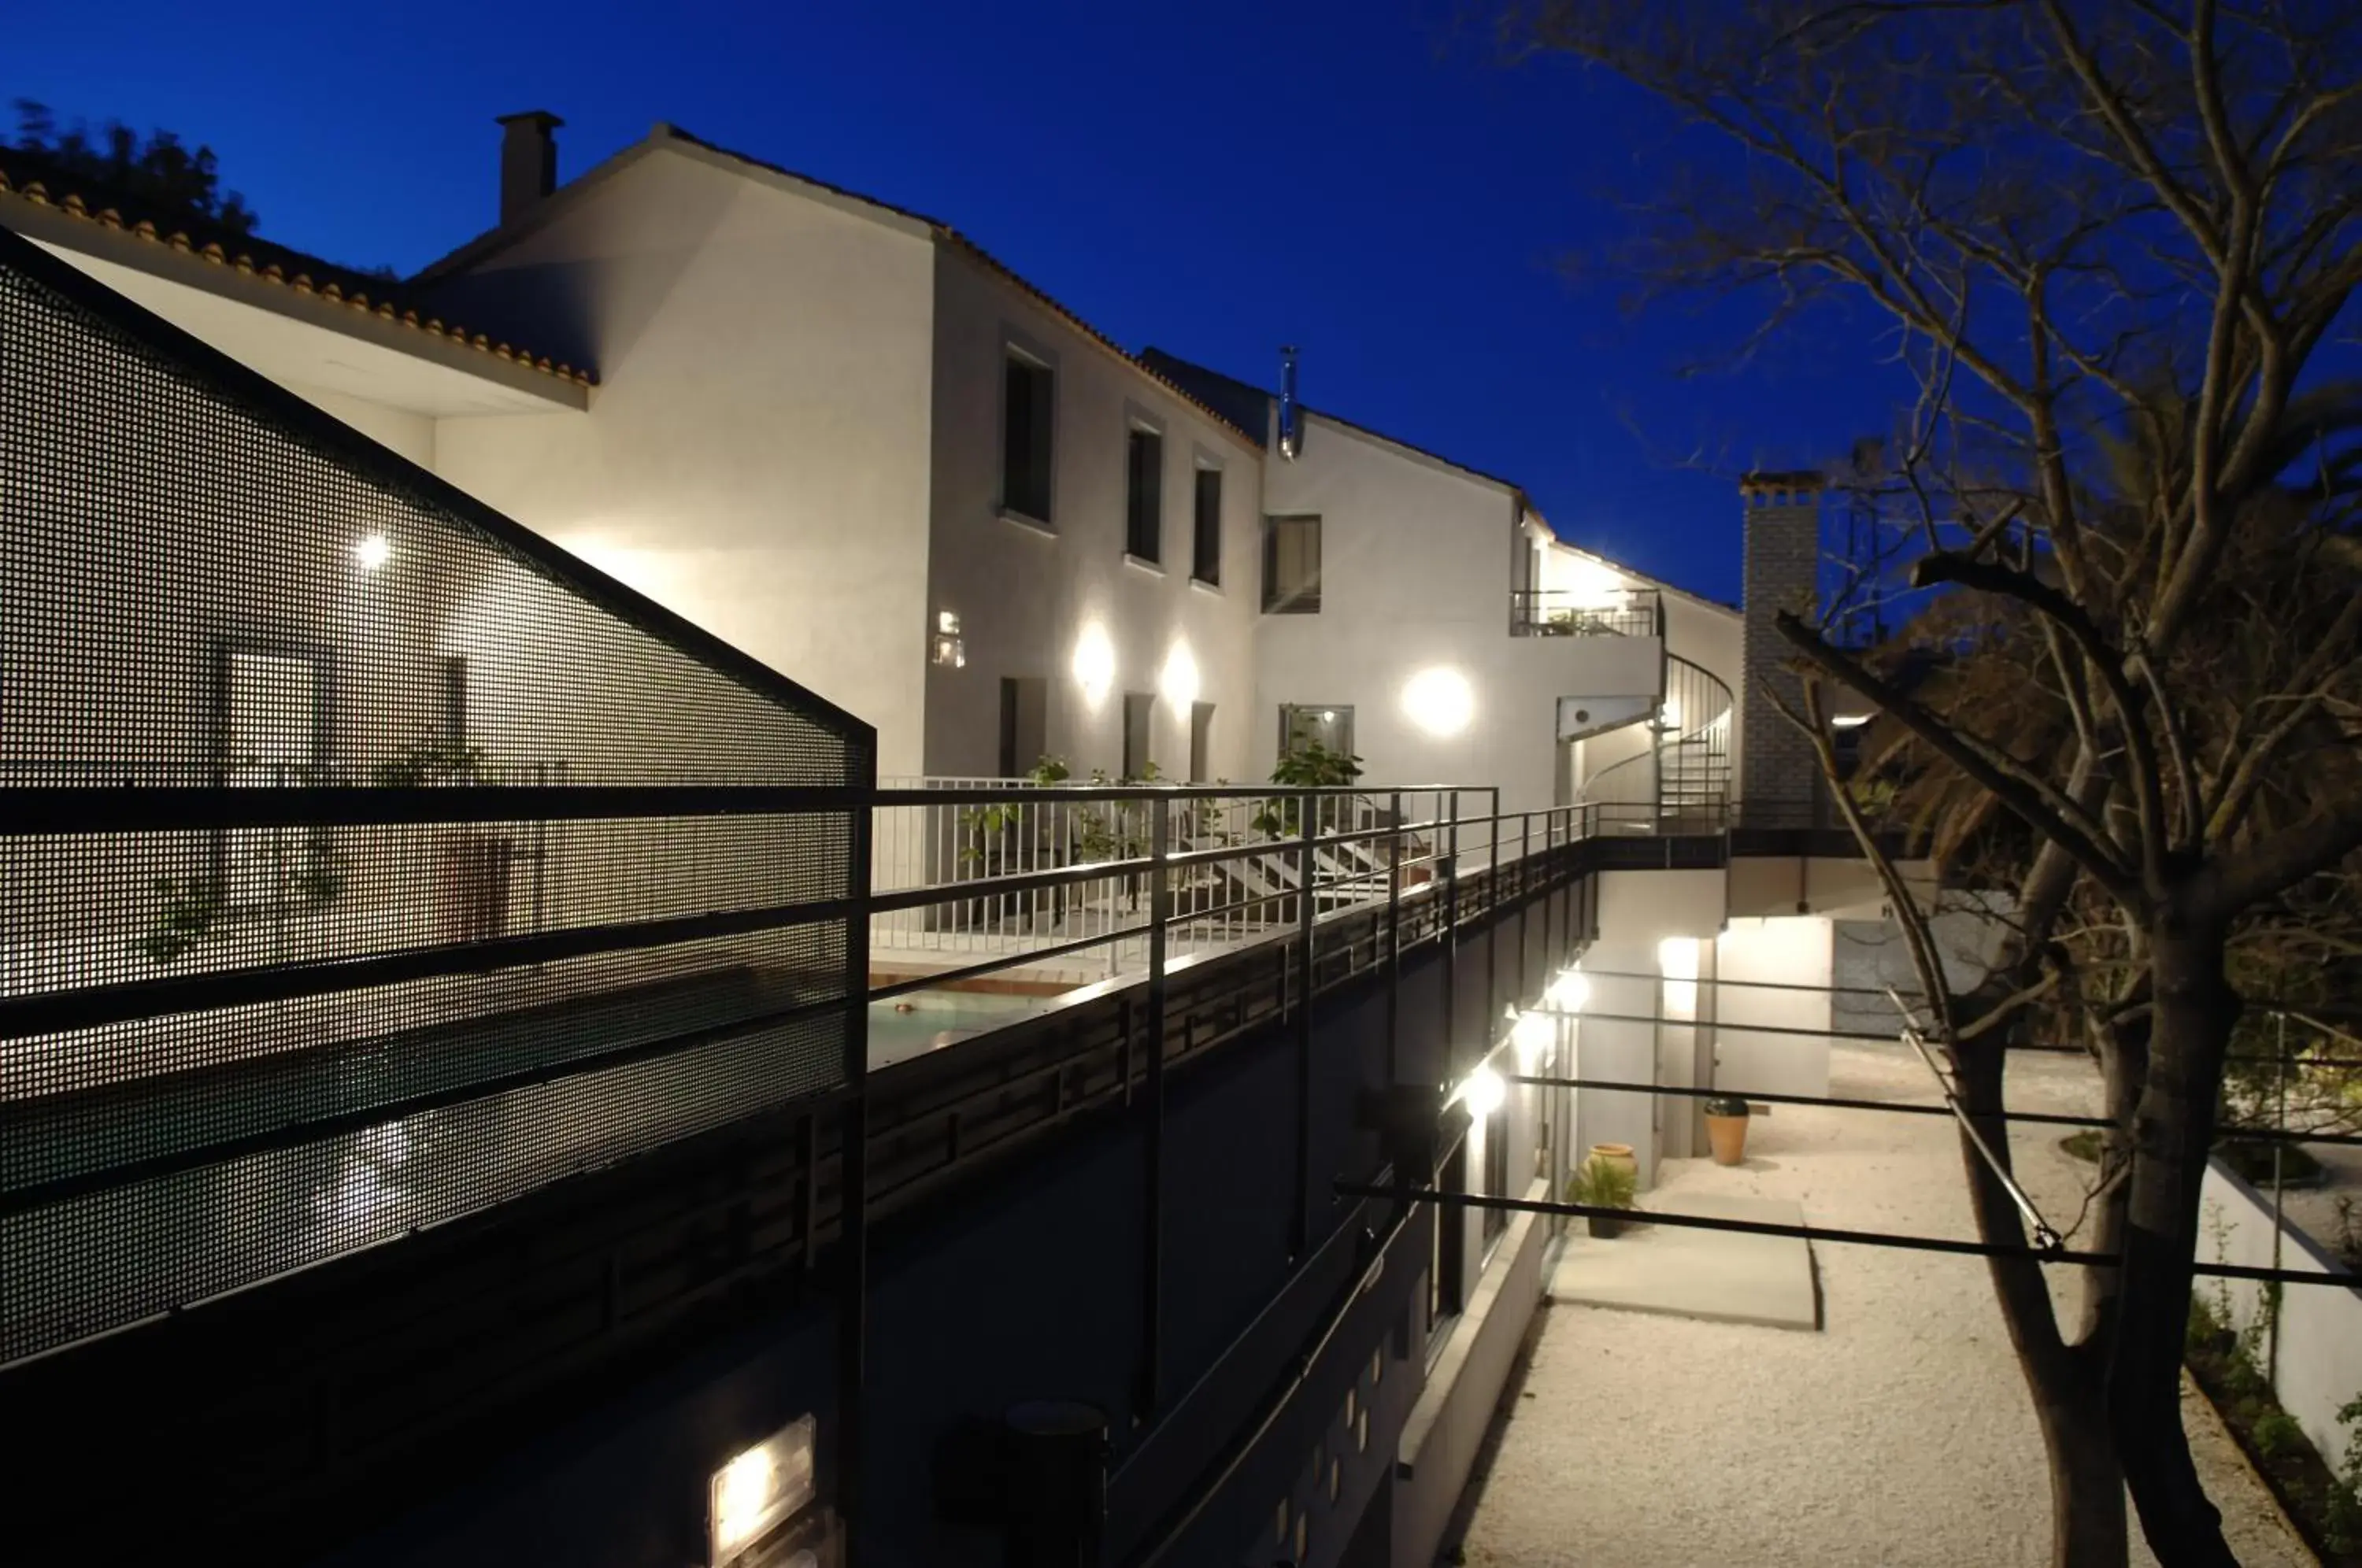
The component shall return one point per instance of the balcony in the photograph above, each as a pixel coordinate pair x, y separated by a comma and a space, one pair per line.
1561, 613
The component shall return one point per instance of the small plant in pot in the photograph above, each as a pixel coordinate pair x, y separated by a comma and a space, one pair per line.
1602, 1183
1725, 1128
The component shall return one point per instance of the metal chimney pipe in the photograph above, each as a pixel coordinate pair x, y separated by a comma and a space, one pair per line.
528, 160
1291, 438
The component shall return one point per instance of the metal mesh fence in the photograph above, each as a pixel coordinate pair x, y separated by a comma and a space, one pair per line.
362, 863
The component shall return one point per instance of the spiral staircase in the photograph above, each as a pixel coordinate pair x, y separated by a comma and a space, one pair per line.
1680, 783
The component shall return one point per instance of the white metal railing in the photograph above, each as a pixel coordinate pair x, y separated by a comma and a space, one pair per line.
1215, 903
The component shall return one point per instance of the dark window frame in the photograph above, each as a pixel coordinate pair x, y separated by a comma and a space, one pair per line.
1301, 600
1144, 491
1206, 524
1029, 476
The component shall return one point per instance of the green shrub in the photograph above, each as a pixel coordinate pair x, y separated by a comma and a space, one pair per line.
2276, 1434
1603, 1183
2084, 1145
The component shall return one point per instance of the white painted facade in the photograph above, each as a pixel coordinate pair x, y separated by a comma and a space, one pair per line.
1065, 603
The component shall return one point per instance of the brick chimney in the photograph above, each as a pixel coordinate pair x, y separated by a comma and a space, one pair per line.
528, 160
1779, 779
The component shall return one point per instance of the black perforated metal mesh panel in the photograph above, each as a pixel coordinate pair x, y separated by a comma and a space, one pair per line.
367, 864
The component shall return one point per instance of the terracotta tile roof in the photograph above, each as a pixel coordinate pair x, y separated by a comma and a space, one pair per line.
953, 238
28, 177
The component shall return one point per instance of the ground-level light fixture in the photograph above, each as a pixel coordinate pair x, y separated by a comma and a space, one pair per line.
1849, 721
371, 551
1440, 702
760, 1487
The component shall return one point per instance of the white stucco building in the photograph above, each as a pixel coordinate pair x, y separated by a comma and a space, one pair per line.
845, 439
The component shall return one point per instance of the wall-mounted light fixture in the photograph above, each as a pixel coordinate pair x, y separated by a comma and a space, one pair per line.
1178, 683
1440, 702
759, 1488
371, 551
1094, 664
1570, 992
951, 648
1534, 1035
1483, 1092
1849, 721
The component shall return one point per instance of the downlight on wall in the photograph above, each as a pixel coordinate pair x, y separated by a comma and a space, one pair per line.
1440, 702
1569, 993
1094, 664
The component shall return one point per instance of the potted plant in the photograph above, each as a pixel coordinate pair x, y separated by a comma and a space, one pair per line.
472, 868
1603, 1183
1725, 1128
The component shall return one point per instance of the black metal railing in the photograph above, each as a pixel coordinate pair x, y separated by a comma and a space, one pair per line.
1552, 613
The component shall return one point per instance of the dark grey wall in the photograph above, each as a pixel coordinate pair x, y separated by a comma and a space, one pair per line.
1028, 1288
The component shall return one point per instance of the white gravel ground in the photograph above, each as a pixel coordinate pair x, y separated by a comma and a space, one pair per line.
1900, 1435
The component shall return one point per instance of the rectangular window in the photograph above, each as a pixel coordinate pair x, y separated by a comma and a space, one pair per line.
1291, 566
1206, 563
1330, 723
1201, 742
1143, 495
1139, 716
1027, 416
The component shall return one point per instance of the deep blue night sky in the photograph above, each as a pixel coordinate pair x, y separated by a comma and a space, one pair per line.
1365, 180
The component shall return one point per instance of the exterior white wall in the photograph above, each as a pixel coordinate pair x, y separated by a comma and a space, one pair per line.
754, 455
1027, 598
2316, 1367
1790, 950
1418, 561
412, 435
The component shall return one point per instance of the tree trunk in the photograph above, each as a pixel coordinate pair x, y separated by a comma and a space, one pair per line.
2087, 1488
2192, 1016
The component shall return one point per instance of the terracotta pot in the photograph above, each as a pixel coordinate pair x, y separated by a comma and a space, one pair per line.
472, 885
1728, 1136
1617, 1153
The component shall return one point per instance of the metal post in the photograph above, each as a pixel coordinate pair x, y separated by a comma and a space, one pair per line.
1393, 942
1152, 1303
1300, 1230
2272, 1322
1449, 946
852, 1181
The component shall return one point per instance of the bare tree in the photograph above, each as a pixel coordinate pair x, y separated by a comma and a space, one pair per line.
2109, 242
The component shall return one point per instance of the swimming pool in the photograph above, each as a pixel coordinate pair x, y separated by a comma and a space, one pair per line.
937, 1019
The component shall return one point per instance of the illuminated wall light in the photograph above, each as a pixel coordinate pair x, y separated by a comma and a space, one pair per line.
371, 551
1570, 992
1535, 1034
1440, 702
1849, 721
1178, 683
947, 623
950, 648
1590, 586
1483, 1092
761, 1488
1677, 960
1094, 664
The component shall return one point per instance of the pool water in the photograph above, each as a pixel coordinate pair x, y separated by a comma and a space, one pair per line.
937, 1019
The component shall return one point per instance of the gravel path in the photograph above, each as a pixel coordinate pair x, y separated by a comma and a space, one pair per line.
1901, 1435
